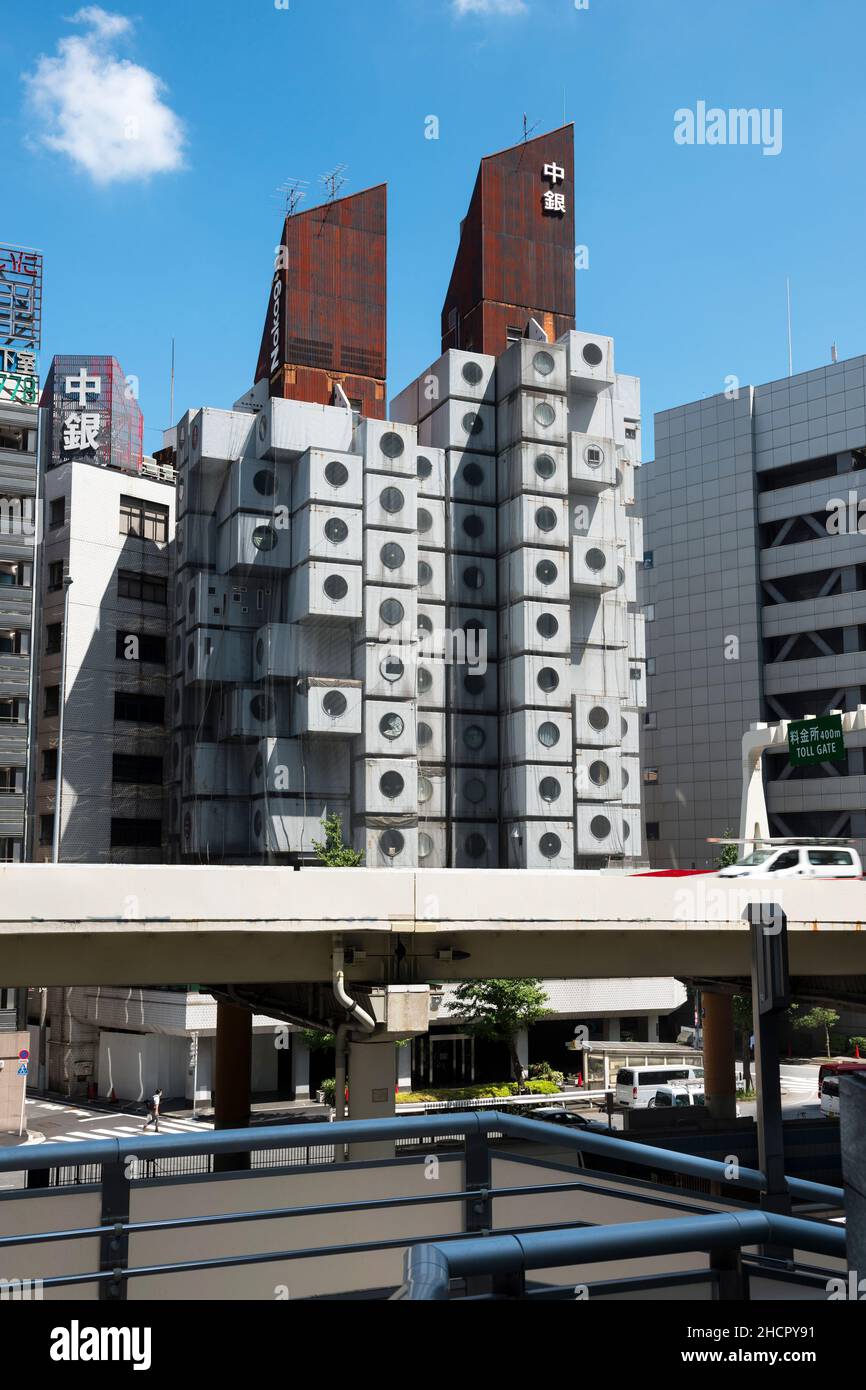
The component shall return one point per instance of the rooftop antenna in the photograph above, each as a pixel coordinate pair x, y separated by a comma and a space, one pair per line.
834, 353
334, 181
790, 339
171, 396
292, 193
527, 128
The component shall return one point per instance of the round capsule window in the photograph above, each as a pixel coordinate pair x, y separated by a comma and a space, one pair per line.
391, 784
262, 708
474, 737
548, 679
425, 789
336, 473
391, 668
549, 789
592, 355
473, 577
425, 573
599, 773
264, 538
391, 725
598, 718
425, 521
550, 845
473, 526
392, 555
472, 373
391, 843
258, 824
546, 572
473, 475
596, 560
425, 734
547, 626
335, 587
475, 791
545, 466
423, 467
594, 455
600, 827
475, 846
392, 445
425, 845
543, 363
473, 423
425, 623
392, 612
548, 735
265, 482
474, 685
425, 679
336, 530
391, 500
545, 518
544, 414
334, 704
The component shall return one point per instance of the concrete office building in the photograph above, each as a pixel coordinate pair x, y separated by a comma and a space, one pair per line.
426, 624
753, 589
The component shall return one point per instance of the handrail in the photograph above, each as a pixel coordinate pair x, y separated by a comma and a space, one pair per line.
447, 1123
430, 1267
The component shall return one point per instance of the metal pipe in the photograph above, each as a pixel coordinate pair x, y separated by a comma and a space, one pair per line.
361, 1017
58, 795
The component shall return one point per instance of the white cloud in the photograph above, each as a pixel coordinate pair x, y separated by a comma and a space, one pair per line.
105, 113
462, 7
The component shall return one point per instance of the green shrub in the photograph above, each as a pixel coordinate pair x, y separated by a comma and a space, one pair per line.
543, 1071
330, 1089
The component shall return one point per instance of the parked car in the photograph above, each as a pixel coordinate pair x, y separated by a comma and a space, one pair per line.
636, 1086
830, 1097
797, 861
558, 1115
836, 1069
677, 1097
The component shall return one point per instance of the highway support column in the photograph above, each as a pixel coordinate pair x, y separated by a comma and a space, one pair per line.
720, 1079
232, 1060
372, 1087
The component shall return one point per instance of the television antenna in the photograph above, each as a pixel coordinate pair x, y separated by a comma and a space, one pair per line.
292, 193
527, 128
334, 181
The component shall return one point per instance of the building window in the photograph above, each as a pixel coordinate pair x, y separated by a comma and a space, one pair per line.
648, 559
650, 774
10, 851
142, 588
649, 612
13, 437
46, 830
135, 834
650, 720
8, 781
652, 830
139, 709
140, 646
55, 576
53, 639
650, 665
49, 765
15, 575
57, 513
513, 333
10, 711
147, 520
15, 643
136, 769
52, 701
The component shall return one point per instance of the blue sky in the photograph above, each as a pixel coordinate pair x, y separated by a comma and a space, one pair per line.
688, 246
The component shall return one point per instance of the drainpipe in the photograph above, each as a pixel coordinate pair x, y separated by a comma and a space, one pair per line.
341, 1039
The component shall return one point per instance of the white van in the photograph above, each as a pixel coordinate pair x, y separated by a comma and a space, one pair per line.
797, 861
830, 1097
679, 1095
637, 1086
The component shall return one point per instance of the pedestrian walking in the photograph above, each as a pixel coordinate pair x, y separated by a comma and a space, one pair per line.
153, 1111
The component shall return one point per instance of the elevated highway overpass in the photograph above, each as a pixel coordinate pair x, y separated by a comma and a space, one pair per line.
160, 925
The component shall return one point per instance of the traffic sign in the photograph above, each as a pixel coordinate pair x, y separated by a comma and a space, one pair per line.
24, 1055
816, 740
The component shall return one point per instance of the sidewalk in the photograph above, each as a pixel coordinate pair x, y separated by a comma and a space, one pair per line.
178, 1107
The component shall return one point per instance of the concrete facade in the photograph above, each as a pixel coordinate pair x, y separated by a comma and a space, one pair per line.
753, 591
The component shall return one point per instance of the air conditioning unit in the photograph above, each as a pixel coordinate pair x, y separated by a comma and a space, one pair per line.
544, 628
541, 469
253, 485
530, 519
472, 529
534, 366
532, 418
431, 522
537, 735
321, 589
590, 362
538, 790
471, 476
597, 721
388, 447
283, 651
250, 542
542, 575
387, 669
332, 478
390, 558
322, 705
475, 793
593, 462
541, 844
594, 566
475, 845
321, 532
389, 502
432, 472
540, 681
460, 425
599, 829
597, 774
389, 728
386, 786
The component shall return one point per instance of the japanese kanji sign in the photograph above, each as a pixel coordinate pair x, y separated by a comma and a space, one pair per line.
554, 201
816, 740
20, 297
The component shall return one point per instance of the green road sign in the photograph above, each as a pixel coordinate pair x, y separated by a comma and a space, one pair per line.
816, 740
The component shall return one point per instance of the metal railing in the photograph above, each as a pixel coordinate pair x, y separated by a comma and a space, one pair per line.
117, 1160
